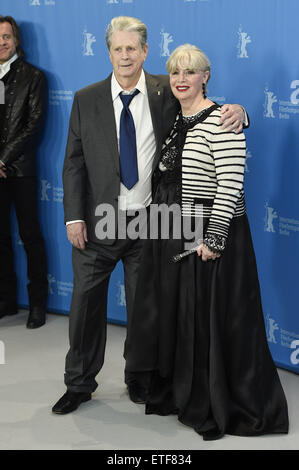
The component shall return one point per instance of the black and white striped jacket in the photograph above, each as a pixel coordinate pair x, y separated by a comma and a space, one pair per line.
213, 162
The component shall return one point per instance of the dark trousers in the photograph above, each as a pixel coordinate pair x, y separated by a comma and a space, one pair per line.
88, 314
22, 192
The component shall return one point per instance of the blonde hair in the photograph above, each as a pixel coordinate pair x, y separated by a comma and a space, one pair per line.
126, 23
188, 57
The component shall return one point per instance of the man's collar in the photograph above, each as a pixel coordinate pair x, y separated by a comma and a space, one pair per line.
116, 89
5, 68
10, 61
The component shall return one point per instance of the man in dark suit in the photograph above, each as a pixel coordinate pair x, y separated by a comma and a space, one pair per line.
94, 175
21, 119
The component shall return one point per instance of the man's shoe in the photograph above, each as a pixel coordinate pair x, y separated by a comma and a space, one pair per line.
70, 401
36, 318
136, 393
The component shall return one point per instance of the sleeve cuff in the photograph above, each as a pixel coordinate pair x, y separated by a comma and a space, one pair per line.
73, 222
215, 243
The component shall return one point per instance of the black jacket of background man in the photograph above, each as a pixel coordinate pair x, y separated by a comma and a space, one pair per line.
21, 117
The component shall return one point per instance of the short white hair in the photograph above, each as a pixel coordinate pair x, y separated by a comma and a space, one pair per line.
126, 23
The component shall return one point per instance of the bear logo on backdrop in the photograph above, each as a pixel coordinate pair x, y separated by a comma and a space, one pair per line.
121, 295
244, 39
45, 186
51, 280
88, 40
248, 155
272, 326
270, 99
287, 339
283, 225
164, 44
288, 108
50, 192
270, 216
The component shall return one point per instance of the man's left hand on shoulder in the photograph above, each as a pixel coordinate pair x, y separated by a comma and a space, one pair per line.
232, 118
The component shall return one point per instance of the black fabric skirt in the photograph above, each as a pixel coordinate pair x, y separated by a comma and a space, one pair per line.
199, 341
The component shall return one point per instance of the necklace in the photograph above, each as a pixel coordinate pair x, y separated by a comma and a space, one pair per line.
193, 117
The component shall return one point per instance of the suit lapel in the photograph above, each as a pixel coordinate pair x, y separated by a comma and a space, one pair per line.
106, 117
155, 97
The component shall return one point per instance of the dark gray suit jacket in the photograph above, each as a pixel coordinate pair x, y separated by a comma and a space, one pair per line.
91, 173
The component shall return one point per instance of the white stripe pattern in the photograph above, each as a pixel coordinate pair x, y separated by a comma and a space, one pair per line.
213, 163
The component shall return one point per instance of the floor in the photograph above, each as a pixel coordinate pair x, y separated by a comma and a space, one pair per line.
32, 380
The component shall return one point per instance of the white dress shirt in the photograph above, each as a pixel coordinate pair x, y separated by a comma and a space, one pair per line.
141, 194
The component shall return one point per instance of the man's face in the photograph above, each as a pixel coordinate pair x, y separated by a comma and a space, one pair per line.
8, 42
127, 57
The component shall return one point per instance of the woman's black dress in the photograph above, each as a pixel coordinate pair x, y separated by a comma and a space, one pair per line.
199, 332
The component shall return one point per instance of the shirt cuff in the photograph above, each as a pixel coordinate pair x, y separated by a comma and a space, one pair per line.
73, 221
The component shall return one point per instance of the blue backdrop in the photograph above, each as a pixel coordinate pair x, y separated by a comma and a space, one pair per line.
251, 47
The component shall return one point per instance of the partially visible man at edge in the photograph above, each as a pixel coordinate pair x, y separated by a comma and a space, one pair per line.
95, 174
21, 119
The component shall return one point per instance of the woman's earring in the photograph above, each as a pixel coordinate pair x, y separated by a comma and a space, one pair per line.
204, 90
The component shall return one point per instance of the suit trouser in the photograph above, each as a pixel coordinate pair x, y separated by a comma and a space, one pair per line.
88, 314
22, 192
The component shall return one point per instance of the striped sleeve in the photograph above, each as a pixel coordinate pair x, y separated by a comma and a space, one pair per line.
229, 152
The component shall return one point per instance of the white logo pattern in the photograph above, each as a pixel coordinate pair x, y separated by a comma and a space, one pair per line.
244, 39
45, 186
121, 295
51, 280
164, 45
272, 326
271, 214
89, 39
270, 99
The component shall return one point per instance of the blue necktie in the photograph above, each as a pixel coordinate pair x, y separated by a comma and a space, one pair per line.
127, 144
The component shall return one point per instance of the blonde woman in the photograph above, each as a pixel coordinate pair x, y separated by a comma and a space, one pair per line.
202, 350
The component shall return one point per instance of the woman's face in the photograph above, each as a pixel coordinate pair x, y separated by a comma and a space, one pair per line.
187, 84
